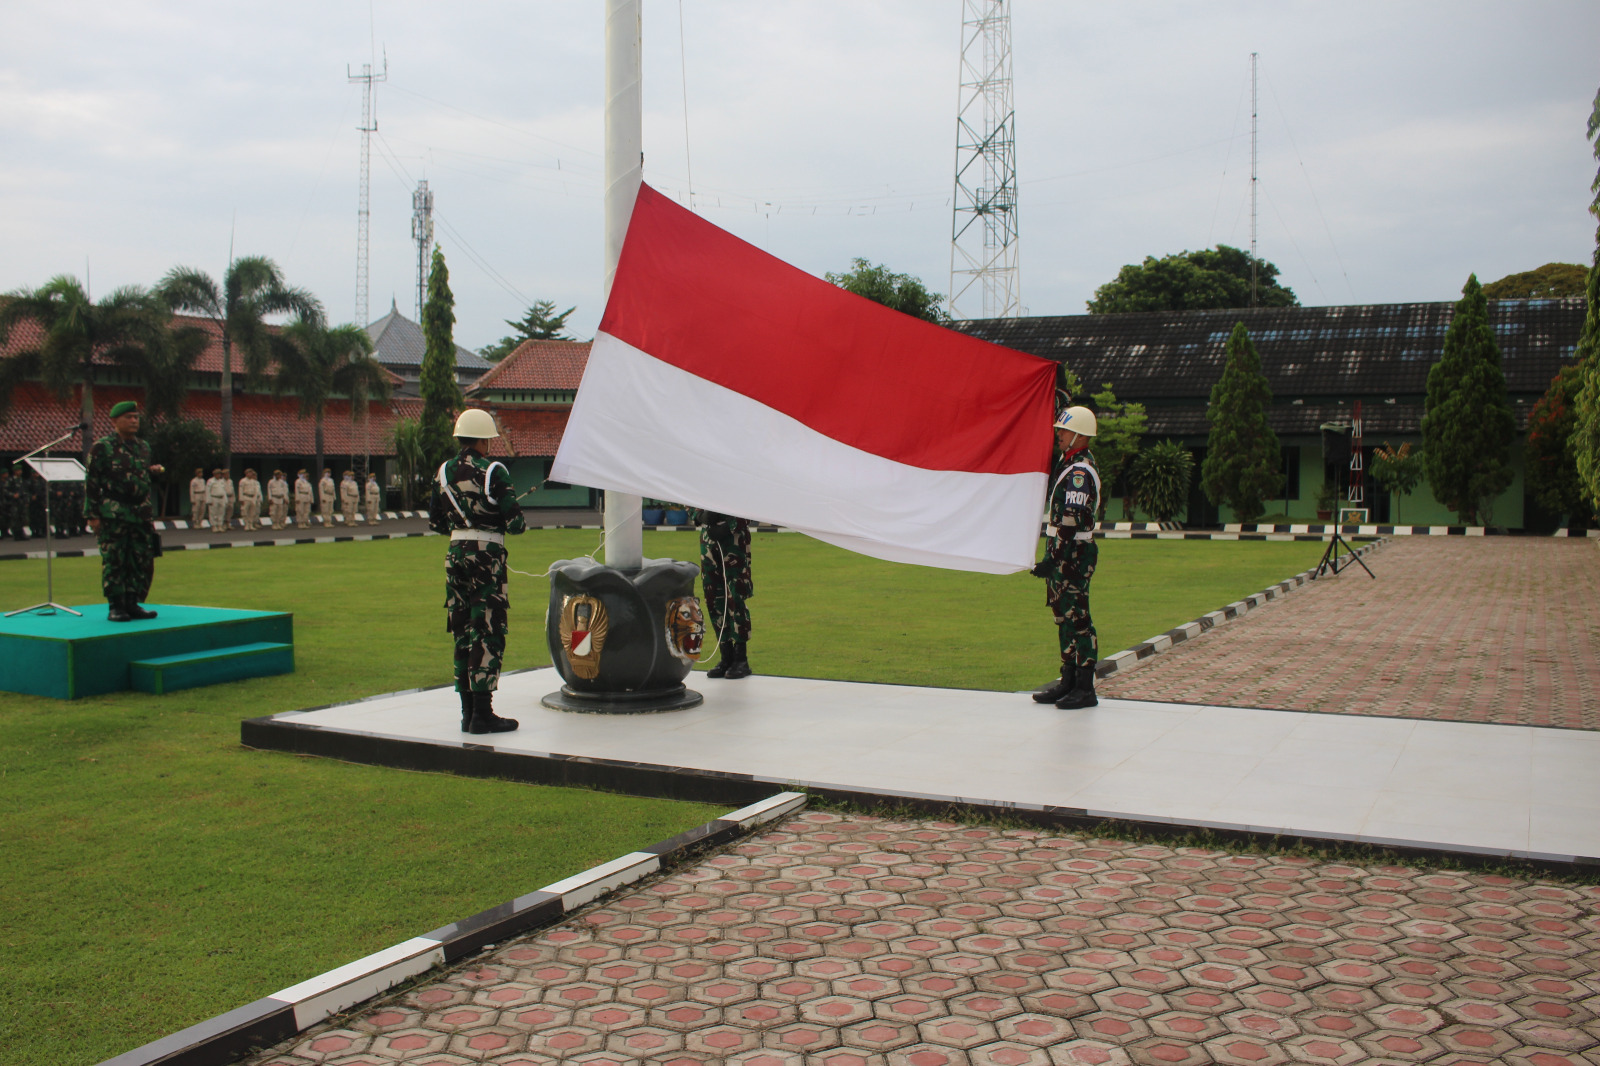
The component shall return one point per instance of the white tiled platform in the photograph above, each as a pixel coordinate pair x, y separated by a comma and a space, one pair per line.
1511, 790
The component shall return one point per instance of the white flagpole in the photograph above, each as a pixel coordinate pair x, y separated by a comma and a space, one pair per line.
624, 539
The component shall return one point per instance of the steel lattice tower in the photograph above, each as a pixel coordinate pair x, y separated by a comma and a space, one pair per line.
369, 125
983, 245
422, 233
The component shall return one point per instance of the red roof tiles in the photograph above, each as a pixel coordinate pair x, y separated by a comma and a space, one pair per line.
539, 365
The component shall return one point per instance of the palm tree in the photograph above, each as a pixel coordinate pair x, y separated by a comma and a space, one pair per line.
252, 289
320, 362
126, 326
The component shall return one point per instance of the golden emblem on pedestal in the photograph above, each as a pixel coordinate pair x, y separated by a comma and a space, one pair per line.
583, 634
686, 628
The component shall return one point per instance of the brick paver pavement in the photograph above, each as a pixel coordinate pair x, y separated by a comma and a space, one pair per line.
854, 941
1494, 629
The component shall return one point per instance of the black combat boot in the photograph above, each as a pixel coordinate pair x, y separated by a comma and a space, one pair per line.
721, 669
740, 666
484, 720
1082, 694
119, 611
1057, 688
466, 710
137, 613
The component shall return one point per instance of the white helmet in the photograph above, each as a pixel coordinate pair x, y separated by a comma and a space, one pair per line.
476, 424
1079, 420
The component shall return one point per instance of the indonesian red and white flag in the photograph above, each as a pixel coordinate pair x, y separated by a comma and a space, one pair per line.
727, 379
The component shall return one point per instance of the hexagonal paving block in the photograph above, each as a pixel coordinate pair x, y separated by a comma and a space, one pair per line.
1132, 1002
409, 1043
1118, 1028
927, 1055
957, 1032
760, 1013
835, 1010
721, 1040
878, 1035
1163, 1051
1037, 1030
488, 1042
608, 1017
802, 1037
1008, 1053
684, 1015
565, 1041
1186, 1025
1241, 1050
1088, 1053
1325, 1051
1476, 1040
1403, 1047
1341, 1024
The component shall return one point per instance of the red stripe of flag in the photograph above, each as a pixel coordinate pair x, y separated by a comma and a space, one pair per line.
702, 300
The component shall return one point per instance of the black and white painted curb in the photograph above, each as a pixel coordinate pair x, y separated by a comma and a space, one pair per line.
1322, 530
284, 1014
1139, 654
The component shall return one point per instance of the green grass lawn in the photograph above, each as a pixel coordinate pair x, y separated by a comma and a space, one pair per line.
159, 873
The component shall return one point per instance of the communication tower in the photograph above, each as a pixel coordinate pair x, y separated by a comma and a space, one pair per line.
1255, 177
983, 245
369, 125
422, 233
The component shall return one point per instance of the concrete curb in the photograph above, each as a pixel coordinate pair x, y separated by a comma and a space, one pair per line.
282, 1015
1139, 654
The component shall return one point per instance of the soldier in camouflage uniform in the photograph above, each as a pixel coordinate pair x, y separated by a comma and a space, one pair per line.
475, 503
725, 576
17, 501
60, 524
36, 496
76, 519
5, 500
1069, 559
117, 491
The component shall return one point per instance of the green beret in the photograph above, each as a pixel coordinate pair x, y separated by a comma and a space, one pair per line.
118, 410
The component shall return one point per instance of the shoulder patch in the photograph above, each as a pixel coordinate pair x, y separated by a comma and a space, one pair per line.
1077, 479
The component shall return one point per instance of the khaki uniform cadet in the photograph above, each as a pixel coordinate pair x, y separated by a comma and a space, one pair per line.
303, 498
326, 491
372, 498
117, 505
725, 576
197, 497
249, 500
219, 501
278, 500
349, 497
1070, 554
476, 504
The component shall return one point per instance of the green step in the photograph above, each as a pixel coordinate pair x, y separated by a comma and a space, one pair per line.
169, 673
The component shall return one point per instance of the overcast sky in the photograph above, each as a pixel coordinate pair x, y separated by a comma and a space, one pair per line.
1403, 145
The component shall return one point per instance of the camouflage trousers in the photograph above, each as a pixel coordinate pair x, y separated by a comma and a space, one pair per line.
1069, 603
476, 604
725, 577
127, 559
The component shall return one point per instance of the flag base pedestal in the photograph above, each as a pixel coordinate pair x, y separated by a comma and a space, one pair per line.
623, 640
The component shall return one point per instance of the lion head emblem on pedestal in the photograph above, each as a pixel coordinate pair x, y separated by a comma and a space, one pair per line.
686, 628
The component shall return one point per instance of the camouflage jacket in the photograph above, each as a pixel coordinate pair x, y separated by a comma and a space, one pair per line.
117, 486
725, 549
473, 492
1074, 503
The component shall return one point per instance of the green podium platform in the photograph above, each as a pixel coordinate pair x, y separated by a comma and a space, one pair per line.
66, 657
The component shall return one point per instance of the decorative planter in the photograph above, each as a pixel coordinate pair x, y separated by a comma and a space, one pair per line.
623, 640
1324, 516
651, 516
677, 516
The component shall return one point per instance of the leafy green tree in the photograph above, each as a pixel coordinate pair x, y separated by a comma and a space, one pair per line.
541, 323
1467, 425
1544, 283
122, 326
180, 445
441, 395
903, 292
1243, 467
412, 459
1549, 460
1397, 470
1192, 281
320, 363
252, 288
1161, 477
1585, 435
1122, 427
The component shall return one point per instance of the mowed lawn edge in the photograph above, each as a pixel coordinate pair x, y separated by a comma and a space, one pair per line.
168, 874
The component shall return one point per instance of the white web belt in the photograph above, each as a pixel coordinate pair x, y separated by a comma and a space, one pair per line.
484, 535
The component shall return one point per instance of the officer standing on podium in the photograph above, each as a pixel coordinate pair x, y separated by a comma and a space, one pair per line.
117, 505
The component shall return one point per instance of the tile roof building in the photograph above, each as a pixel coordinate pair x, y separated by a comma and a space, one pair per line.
530, 392
1318, 362
401, 345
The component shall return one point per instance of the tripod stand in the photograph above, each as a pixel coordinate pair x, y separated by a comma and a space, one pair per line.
52, 470
1332, 562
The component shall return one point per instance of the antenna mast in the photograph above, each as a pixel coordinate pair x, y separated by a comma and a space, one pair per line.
1254, 180
422, 233
983, 244
369, 126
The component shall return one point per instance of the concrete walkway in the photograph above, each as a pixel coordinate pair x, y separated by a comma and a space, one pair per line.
1498, 629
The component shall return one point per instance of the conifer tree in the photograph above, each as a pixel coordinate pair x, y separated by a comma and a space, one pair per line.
1243, 467
441, 396
1467, 425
